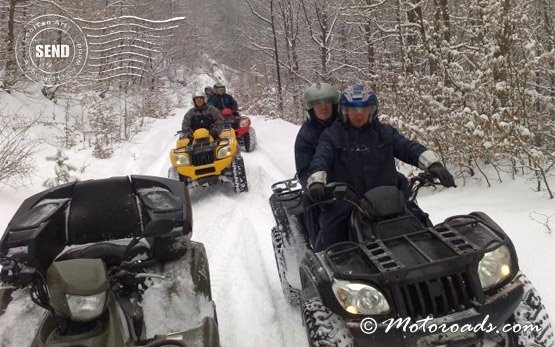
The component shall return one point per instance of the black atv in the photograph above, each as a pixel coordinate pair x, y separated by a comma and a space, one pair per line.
87, 252
398, 271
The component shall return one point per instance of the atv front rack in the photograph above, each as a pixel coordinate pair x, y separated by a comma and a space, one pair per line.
409, 251
432, 271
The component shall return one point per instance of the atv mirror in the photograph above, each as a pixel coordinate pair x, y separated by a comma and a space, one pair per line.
159, 227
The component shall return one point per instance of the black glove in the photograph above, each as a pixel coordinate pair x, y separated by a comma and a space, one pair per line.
317, 192
440, 172
215, 134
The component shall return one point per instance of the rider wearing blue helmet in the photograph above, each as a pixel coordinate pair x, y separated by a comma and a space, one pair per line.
360, 151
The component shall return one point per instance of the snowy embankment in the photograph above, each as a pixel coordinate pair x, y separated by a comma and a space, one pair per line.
236, 228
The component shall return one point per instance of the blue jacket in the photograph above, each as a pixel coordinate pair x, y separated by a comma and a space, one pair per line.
306, 142
363, 158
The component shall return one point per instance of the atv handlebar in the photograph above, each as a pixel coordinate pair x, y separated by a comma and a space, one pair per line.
339, 191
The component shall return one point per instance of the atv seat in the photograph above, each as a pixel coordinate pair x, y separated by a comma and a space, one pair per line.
389, 215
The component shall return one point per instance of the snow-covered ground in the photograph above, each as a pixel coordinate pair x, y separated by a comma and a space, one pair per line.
236, 228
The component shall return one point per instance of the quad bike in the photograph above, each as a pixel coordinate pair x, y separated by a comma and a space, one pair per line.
244, 132
398, 265
86, 252
205, 161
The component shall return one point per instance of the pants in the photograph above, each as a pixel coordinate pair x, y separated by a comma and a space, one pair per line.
334, 220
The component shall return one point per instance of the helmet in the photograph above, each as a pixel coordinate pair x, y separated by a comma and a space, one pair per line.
226, 112
198, 94
320, 92
218, 85
358, 95
207, 89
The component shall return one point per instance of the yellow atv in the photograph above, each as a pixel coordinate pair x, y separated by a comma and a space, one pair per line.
204, 161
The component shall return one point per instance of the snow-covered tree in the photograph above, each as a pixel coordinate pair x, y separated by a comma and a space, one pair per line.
62, 170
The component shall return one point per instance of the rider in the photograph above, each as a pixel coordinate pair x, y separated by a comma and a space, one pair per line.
220, 99
208, 92
320, 100
360, 150
202, 115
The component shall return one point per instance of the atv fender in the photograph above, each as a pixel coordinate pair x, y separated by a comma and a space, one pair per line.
487, 219
200, 271
207, 333
315, 281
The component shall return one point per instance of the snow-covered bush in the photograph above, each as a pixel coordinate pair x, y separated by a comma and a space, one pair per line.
62, 169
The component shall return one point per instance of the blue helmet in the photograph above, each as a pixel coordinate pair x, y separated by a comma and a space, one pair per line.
358, 95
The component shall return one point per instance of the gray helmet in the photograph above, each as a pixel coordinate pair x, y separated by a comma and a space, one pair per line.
198, 94
320, 92
218, 85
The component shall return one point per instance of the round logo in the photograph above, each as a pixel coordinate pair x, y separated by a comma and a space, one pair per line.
51, 49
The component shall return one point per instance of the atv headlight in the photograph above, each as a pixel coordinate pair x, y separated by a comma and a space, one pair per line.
85, 308
182, 159
244, 122
358, 298
494, 267
223, 152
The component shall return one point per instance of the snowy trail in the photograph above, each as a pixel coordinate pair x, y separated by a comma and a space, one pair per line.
235, 229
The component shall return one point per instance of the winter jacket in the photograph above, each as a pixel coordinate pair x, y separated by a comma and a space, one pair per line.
223, 101
306, 142
363, 158
205, 117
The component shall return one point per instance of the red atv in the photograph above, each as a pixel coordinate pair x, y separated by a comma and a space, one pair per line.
244, 133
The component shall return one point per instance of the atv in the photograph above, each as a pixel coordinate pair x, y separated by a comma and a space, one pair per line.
397, 266
244, 132
90, 252
207, 161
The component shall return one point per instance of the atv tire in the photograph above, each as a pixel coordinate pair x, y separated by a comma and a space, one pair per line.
292, 295
249, 140
323, 327
532, 312
200, 272
239, 175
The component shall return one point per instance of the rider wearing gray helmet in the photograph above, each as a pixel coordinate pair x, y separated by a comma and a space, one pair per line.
320, 101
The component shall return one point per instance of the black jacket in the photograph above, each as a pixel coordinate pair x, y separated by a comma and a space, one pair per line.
363, 158
223, 101
306, 142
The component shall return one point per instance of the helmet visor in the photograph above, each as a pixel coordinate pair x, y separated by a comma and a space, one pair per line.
360, 109
330, 100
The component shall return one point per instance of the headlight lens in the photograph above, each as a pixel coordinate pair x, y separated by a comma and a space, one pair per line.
244, 122
494, 267
223, 152
85, 308
358, 298
182, 159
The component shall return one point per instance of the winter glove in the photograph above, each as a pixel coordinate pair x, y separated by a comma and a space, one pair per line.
215, 134
440, 172
316, 184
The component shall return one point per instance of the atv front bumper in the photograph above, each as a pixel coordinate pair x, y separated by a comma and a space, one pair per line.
499, 307
197, 172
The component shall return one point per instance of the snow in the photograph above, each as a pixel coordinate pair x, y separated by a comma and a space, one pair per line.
171, 305
235, 229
